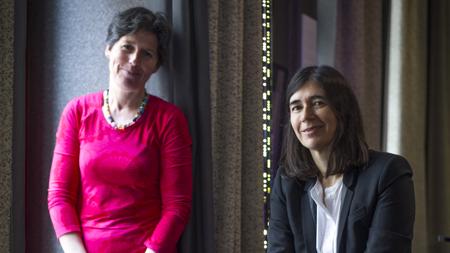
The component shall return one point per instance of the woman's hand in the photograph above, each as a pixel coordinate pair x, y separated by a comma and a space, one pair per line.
72, 243
149, 251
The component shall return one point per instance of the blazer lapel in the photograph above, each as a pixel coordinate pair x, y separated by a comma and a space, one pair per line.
309, 217
349, 182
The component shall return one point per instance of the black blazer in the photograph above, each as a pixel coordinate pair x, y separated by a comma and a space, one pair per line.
377, 212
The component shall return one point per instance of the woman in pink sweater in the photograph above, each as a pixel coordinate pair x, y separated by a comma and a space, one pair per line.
121, 173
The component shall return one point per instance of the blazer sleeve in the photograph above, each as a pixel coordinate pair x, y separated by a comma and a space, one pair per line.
392, 225
280, 237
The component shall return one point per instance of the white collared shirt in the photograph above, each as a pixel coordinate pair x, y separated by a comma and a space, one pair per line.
327, 215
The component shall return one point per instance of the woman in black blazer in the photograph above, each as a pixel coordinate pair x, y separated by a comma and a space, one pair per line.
332, 194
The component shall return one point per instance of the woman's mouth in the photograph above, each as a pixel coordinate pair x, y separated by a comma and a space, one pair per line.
131, 73
311, 130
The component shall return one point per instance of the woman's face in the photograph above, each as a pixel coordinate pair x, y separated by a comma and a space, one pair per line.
132, 60
312, 118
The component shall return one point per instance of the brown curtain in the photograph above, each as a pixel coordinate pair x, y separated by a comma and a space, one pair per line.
236, 109
438, 125
358, 55
6, 116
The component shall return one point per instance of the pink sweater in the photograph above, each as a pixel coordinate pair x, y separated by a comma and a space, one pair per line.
122, 190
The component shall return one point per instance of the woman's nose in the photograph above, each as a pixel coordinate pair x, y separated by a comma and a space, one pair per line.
306, 114
134, 58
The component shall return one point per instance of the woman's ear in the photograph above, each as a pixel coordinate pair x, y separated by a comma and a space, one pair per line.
107, 51
157, 66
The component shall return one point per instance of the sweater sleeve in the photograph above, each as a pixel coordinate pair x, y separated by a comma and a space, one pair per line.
175, 184
64, 175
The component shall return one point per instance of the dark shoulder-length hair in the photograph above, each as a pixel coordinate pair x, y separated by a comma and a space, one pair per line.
349, 148
138, 19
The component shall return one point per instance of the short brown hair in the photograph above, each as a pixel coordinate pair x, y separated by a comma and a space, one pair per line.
139, 18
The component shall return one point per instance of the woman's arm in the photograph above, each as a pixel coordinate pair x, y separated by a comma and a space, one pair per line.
280, 236
392, 225
64, 176
72, 243
175, 183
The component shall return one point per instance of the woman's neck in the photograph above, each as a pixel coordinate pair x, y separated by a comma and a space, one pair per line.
321, 160
120, 100
330, 180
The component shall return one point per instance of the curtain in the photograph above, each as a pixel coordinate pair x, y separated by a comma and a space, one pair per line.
6, 115
405, 98
438, 125
191, 92
358, 55
236, 109
381, 47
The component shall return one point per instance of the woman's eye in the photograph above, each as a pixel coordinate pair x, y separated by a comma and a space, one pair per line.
148, 54
295, 108
127, 47
318, 103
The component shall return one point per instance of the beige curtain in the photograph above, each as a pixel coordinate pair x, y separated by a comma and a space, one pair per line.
438, 126
6, 116
236, 109
405, 93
